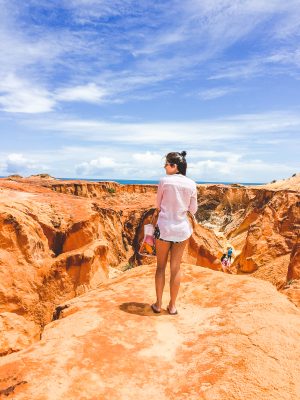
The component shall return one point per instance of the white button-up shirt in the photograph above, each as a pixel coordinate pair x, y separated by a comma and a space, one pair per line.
176, 195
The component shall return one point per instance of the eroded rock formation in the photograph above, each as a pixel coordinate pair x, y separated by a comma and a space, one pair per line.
261, 224
55, 246
294, 265
60, 239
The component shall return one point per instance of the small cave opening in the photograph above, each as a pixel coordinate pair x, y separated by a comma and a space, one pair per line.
58, 242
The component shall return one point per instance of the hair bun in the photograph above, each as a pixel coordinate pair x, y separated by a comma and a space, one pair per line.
183, 153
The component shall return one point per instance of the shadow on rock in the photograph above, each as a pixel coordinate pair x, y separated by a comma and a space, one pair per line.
143, 309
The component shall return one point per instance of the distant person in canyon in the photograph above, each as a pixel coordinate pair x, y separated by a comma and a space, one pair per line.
229, 254
225, 263
176, 197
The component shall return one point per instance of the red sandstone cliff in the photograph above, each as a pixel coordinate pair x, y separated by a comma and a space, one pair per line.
53, 247
59, 239
261, 224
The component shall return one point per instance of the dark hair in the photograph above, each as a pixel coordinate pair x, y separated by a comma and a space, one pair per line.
179, 160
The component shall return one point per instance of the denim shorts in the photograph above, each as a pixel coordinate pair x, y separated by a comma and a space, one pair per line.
157, 235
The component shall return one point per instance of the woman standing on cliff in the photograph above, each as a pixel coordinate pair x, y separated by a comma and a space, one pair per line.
176, 196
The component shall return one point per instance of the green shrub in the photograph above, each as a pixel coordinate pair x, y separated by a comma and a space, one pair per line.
127, 267
291, 281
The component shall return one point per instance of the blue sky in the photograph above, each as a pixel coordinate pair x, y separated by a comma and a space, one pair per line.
105, 88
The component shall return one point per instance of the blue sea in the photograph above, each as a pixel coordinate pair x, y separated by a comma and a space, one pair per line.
146, 182
152, 182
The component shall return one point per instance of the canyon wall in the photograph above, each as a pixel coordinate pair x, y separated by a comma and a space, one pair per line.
262, 226
59, 239
53, 247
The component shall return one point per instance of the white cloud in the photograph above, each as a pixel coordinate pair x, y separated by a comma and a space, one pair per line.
239, 127
227, 166
218, 149
141, 133
196, 154
85, 11
284, 61
123, 165
240, 69
101, 165
164, 46
89, 93
17, 95
16, 163
122, 51
214, 93
148, 158
232, 168
119, 162
238, 170
161, 44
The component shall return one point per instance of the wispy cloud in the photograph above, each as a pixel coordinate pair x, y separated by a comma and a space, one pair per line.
285, 61
113, 162
214, 93
229, 168
217, 129
239, 69
18, 95
67, 68
239, 147
162, 43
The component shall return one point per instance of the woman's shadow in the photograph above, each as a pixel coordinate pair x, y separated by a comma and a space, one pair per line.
143, 309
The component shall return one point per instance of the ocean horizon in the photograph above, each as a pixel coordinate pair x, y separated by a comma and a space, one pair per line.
155, 182
149, 181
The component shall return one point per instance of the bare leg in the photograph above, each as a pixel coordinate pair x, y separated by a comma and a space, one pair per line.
177, 250
162, 251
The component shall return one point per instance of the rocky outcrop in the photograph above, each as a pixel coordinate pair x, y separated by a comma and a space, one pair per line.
221, 205
292, 183
17, 333
108, 344
269, 238
204, 248
61, 239
54, 247
98, 189
261, 224
41, 176
292, 290
292, 287
294, 265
